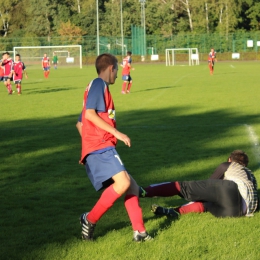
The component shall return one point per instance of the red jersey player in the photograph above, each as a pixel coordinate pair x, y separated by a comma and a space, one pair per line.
1, 71
46, 65
104, 167
7, 63
18, 69
126, 65
211, 60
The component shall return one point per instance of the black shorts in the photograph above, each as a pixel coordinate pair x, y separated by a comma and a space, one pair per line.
220, 197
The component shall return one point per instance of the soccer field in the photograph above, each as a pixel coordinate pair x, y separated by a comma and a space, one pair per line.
182, 122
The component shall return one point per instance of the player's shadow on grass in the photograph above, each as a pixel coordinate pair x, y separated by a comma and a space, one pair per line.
152, 89
46, 91
44, 190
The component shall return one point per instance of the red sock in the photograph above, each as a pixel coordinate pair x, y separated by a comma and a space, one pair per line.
129, 86
124, 86
105, 202
134, 212
165, 189
191, 207
48, 72
44, 74
9, 87
19, 89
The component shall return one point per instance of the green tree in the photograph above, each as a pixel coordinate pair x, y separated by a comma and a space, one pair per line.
70, 33
6, 9
41, 16
253, 13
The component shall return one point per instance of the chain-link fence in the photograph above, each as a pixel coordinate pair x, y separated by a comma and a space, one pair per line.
153, 44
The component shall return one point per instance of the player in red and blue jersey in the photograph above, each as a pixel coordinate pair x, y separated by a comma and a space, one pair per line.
126, 65
2, 70
105, 169
7, 63
211, 60
18, 70
46, 65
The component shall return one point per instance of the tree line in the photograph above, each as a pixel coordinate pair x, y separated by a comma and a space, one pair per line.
49, 18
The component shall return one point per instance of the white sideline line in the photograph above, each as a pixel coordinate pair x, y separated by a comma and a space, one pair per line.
255, 143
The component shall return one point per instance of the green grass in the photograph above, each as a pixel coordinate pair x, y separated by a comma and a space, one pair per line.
182, 123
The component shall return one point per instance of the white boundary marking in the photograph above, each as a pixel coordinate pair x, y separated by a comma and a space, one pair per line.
255, 143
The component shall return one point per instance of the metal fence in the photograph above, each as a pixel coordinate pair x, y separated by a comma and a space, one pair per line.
154, 44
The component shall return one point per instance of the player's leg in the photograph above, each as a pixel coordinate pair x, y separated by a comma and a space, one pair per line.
5, 83
222, 196
210, 67
125, 81
19, 87
48, 72
191, 207
109, 196
8, 85
105, 171
130, 81
164, 189
44, 72
135, 212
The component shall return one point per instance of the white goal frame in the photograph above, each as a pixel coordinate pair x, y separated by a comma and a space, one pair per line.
68, 53
193, 54
15, 49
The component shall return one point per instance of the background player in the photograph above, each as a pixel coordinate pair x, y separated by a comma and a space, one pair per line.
2, 70
46, 65
7, 63
55, 60
127, 65
211, 60
103, 165
18, 70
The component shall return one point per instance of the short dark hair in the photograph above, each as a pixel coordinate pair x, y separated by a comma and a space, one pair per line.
240, 157
129, 53
104, 60
7, 53
18, 55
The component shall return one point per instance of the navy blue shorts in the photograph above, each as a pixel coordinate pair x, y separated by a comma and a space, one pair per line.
46, 68
7, 78
126, 78
101, 167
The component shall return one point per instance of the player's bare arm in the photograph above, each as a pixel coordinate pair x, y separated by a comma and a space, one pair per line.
79, 127
25, 73
92, 116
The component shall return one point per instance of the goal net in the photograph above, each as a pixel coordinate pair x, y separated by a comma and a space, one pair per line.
68, 55
182, 56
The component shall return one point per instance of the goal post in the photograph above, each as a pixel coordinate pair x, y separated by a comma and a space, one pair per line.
191, 55
68, 55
